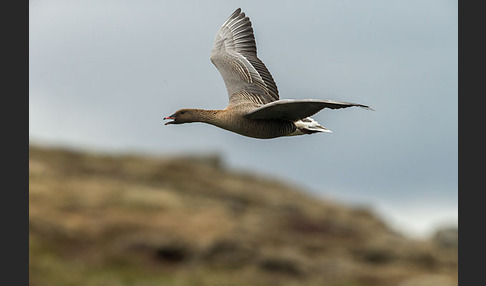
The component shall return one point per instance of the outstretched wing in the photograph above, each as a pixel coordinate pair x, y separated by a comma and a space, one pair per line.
293, 110
235, 56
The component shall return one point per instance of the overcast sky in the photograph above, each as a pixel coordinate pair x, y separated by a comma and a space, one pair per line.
102, 74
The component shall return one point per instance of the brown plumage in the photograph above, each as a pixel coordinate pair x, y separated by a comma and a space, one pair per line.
254, 108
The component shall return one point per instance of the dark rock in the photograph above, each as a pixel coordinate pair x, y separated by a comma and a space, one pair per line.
281, 265
173, 253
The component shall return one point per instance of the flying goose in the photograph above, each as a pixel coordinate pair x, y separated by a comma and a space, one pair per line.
254, 108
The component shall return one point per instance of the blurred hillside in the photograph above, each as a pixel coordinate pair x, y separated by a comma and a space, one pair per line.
131, 220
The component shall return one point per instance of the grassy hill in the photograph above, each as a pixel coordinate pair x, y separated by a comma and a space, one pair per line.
131, 220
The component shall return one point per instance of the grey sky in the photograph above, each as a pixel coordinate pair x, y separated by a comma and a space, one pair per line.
104, 73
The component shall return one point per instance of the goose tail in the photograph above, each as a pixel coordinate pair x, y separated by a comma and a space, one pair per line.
308, 126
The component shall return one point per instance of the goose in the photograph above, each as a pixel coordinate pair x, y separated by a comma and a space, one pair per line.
254, 108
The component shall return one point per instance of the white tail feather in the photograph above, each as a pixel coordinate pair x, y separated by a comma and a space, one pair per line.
308, 126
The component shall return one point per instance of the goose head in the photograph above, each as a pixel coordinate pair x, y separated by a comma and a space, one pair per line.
182, 116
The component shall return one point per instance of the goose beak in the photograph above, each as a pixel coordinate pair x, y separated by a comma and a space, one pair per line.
171, 118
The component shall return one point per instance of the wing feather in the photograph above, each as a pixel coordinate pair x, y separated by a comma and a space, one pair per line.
293, 110
235, 56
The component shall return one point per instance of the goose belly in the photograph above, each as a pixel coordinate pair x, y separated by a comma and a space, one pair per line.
262, 129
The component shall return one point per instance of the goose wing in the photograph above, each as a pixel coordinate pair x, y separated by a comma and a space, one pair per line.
293, 110
235, 56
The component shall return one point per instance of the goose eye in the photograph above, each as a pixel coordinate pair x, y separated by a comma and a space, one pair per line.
182, 112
